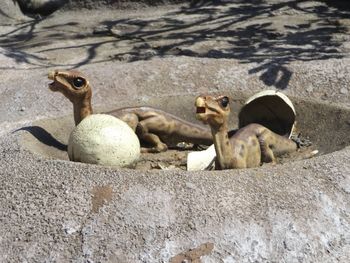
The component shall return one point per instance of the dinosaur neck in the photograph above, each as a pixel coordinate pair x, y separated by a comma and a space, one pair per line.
224, 156
82, 108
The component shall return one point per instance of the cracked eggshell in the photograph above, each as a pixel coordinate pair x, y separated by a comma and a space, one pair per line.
270, 108
105, 140
200, 160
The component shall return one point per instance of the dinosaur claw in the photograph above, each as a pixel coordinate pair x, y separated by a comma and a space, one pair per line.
52, 75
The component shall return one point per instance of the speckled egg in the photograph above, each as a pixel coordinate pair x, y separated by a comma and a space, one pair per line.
105, 140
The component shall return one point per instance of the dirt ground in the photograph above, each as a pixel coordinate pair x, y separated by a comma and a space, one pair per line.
54, 210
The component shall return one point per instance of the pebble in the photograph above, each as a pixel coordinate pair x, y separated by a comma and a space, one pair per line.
344, 91
101, 30
191, 186
310, 89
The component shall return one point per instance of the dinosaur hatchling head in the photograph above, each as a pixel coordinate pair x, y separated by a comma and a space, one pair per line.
212, 110
71, 83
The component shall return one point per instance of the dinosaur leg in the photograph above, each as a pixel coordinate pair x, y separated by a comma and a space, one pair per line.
143, 133
153, 139
267, 155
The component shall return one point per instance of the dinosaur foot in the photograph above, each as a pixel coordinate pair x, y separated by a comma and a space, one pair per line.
157, 149
300, 141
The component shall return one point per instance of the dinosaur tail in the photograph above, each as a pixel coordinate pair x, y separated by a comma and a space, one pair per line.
198, 135
311, 154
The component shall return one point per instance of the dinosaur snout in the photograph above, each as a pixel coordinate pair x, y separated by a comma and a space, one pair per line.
200, 108
200, 101
52, 75
200, 105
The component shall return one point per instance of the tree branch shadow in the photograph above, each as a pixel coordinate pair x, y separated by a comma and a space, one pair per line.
242, 30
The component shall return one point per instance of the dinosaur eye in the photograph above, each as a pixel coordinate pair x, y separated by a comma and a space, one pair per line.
78, 82
224, 101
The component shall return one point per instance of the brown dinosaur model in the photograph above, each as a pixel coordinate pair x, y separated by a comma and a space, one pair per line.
249, 146
153, 126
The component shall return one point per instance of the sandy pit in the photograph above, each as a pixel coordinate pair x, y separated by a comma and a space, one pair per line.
49, 137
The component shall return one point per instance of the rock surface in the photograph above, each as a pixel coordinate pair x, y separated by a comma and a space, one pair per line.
10, 11
56, 210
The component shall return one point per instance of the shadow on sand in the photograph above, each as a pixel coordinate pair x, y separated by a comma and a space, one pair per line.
44, 137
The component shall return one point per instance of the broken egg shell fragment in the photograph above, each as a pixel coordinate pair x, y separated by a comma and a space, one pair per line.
200, 160
270, 108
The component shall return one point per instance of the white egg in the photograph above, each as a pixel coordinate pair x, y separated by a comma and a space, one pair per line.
105, 140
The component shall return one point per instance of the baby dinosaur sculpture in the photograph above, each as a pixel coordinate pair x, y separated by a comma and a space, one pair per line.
153, 126
249, 146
